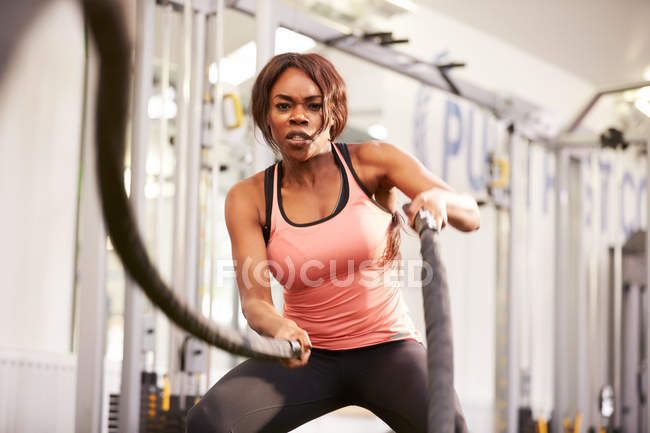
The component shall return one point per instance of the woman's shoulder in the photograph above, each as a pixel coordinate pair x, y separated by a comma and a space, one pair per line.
370, 152
373, 157
247, 196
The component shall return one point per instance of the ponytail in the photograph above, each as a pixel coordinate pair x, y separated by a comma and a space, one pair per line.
392, 252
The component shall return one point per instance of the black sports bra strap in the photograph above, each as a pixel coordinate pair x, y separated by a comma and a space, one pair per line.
343, 148
268, 198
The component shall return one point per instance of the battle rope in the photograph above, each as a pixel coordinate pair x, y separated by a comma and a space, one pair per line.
108, 28
444, 412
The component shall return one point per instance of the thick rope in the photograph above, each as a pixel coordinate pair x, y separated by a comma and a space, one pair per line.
444, 412
108, 28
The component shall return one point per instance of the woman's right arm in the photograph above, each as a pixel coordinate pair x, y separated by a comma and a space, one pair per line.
251, 268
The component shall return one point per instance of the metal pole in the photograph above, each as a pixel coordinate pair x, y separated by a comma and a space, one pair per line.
92, 278
647, 256
160, 362
180, 201
579, 291
502, 341
265, 37
516, 271
265, 43
214, 184
615, 323
193, 165
630, 399
133, 356
561, 387
194, 158
165, 30
592, 102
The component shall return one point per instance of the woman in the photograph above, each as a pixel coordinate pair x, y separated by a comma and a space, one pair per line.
331, 243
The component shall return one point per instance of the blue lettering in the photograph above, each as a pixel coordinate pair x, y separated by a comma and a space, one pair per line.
605, 170
627, 180
477, 182
451, 146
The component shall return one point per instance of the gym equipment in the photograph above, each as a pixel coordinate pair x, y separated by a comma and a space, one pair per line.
234, 107
160, 412
110, 33
444, 415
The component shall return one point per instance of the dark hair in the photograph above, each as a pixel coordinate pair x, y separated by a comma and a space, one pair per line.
391, 252
321, 71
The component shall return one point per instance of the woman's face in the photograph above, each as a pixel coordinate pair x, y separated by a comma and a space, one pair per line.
296, 115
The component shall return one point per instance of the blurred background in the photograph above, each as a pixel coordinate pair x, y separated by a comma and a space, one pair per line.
539, 109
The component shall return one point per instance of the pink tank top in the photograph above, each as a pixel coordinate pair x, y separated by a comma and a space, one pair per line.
335, 286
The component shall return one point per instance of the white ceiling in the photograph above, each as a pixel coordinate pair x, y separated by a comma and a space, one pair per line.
605, 42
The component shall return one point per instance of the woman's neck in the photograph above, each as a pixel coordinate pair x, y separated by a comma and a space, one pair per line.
307, 173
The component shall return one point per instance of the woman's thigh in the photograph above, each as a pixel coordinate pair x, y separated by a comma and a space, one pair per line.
258, 396
390, 380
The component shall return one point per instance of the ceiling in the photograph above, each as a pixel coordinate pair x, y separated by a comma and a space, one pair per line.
604, 42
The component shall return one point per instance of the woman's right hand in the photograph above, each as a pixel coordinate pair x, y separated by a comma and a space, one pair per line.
290, 331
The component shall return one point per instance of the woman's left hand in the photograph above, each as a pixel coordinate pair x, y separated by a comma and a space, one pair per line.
435, 201
391, 167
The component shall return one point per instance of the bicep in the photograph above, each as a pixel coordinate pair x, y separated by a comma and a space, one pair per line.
398, 168
248, 249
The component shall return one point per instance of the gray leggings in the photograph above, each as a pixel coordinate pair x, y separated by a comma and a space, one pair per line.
389, 379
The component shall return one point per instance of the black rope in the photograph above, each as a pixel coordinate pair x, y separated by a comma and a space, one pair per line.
108, 28
444, 412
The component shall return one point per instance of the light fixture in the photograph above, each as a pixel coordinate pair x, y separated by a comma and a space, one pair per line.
239, 65
643, 106
378, 131
642, 102
287, 41
404, 4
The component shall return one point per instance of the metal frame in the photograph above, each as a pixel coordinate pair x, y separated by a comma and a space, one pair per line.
517, 263
92, 276
266, 13
215, 162
565, 383
163, 144
134, 302
579, 311
506, 107
180, 200
524, 114
648, 268
191, 251
614, 325
561, 376
573, 126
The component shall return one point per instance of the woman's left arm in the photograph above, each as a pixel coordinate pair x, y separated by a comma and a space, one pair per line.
394, 167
